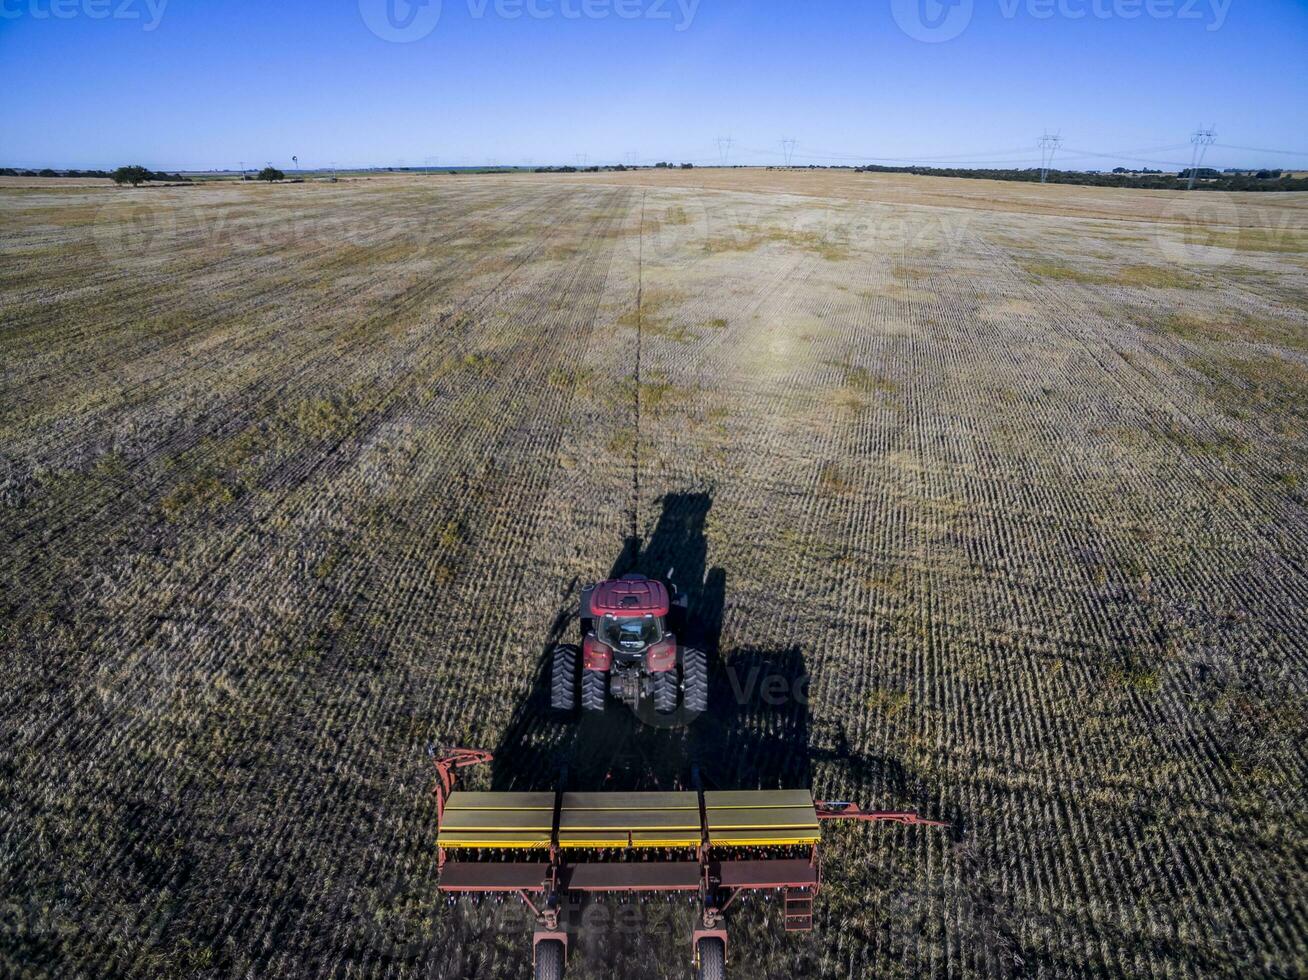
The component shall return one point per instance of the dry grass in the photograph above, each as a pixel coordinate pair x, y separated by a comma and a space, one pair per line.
1231, 326
752, 239
1146, 276
284, 505
1278, 240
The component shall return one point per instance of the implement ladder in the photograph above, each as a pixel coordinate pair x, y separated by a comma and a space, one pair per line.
799, 910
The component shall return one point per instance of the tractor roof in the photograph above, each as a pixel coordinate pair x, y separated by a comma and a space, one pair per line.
633, 595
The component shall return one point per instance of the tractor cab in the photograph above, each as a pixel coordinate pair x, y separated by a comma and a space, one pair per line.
629, 635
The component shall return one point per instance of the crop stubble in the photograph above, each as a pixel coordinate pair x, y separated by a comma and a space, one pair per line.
298, 480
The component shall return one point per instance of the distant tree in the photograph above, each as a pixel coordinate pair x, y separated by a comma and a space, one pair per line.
135, 175
687, 166
271, 174
47, 172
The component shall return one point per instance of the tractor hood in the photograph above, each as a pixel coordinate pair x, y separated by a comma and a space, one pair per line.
634, 595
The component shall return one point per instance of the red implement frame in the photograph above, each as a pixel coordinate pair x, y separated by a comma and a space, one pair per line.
447, 765
852, 811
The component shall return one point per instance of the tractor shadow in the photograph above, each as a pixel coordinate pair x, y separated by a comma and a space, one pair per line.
755, 734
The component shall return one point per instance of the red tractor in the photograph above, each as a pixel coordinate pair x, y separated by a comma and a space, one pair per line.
630, 651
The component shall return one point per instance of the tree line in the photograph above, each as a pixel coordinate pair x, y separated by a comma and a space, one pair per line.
1209, 180
123, 175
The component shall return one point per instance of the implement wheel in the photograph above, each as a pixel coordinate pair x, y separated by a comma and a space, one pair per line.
594, 690
563, 678
694, 680
712, 955
549, 960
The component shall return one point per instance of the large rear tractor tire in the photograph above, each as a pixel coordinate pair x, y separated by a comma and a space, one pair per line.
563, 678
594, 690
712, 959
665, 691
694, 680
549, 960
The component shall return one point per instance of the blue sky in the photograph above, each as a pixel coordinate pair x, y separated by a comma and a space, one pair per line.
197, 85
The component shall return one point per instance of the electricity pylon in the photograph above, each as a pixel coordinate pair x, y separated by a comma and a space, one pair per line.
1202, 139
725, 144
1048, 147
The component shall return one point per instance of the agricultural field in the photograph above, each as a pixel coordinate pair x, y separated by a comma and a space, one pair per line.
991, 501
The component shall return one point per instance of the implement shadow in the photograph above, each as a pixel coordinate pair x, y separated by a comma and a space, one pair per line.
757, 729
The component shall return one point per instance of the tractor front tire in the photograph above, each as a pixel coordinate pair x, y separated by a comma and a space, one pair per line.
549, 960
563, 678
712, 959
594, 690
665, 691
694, 680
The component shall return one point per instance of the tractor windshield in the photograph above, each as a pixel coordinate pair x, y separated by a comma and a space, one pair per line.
631, 635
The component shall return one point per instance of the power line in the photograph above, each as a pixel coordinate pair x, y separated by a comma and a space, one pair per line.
1042, 156
1259, 149
818, 154
1071, 154
1128, 154
995, 157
